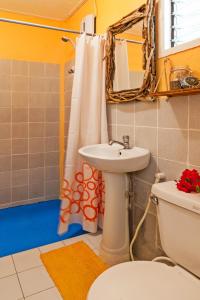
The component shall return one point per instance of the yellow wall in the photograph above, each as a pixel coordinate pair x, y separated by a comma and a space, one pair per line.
31, 44
108, 12
189, 57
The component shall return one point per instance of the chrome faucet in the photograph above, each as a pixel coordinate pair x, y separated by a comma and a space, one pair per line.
125, 143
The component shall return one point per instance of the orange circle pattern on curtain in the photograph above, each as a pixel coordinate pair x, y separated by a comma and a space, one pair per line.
84, 195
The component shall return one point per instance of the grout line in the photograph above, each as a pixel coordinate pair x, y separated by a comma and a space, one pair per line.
28, 130
194, 166
194, 129
30, 201
44, 149
144, 126
40, 122
43, 76
176, 161
164, 128
110, 124
115, 125
188, 137
43, 291
11, 129
32, 138
134, 122
32, 268
143, 208
144, 181
27, 153
23, 202
157, 138
18, 277
7, 276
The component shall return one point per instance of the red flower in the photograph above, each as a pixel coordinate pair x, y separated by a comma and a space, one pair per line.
189, 181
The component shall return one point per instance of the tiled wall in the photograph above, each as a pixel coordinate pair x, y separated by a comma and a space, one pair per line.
68, 92
171, 130
29, 131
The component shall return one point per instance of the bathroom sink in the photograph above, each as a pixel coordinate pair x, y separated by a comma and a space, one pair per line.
115, 162
114, 158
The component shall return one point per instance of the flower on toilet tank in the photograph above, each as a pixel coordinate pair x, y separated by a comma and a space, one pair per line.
189, 181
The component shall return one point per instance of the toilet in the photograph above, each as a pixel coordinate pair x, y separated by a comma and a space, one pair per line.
179, 225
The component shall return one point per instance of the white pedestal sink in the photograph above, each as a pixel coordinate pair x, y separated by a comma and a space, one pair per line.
115, 163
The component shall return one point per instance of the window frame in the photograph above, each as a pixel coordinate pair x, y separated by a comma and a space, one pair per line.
164, 27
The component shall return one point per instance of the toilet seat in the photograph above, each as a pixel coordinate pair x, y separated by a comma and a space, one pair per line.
145, 281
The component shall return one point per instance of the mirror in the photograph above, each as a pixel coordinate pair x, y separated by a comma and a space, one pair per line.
130, 56
129, 73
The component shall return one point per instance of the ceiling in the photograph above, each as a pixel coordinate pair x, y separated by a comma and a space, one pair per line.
51, 9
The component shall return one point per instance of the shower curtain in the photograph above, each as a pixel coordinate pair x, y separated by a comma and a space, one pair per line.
83, 188
122, 74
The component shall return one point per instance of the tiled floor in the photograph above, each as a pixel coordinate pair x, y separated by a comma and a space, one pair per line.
23, 276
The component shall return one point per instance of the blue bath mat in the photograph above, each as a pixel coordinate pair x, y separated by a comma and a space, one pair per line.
30, 226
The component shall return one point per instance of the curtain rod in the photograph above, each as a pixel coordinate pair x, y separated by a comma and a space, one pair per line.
55, 28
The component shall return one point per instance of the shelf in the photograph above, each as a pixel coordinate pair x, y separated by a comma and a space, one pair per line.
174, 93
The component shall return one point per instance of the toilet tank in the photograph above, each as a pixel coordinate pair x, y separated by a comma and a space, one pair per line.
179, 225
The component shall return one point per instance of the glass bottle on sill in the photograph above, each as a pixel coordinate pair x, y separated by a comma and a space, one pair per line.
177, 75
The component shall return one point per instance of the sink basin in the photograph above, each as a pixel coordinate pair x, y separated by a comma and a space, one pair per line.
114, 158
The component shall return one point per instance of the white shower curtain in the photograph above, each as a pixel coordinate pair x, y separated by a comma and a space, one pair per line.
122, 76
83, 188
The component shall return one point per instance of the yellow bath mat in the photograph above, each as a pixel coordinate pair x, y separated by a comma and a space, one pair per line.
73, 269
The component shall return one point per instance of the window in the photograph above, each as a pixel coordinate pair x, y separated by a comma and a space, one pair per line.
179, 25
185, 21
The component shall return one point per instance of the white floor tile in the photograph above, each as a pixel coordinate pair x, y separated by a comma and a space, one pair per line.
74, 239
87, 241
35, 280
95, 239
10, 288
92, 240
51, 294
50, 247
27, 259
96, 251
6, 266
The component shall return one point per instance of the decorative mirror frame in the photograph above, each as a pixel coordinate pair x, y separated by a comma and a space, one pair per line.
146, 12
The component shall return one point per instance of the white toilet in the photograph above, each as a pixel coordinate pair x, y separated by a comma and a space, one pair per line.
179, 225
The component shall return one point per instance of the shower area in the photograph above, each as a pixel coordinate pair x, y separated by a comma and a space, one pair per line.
35, 105
34, 118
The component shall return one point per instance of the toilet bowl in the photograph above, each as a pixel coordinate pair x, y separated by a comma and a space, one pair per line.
179, 225
145, 281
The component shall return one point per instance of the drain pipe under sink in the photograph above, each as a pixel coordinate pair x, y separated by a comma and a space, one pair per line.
158, 178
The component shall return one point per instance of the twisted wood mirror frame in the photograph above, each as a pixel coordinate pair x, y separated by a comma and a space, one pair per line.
146, 12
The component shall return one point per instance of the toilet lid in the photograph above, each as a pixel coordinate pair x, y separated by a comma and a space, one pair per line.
145, 281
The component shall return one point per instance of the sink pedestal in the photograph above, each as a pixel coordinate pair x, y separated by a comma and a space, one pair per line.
114, 246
